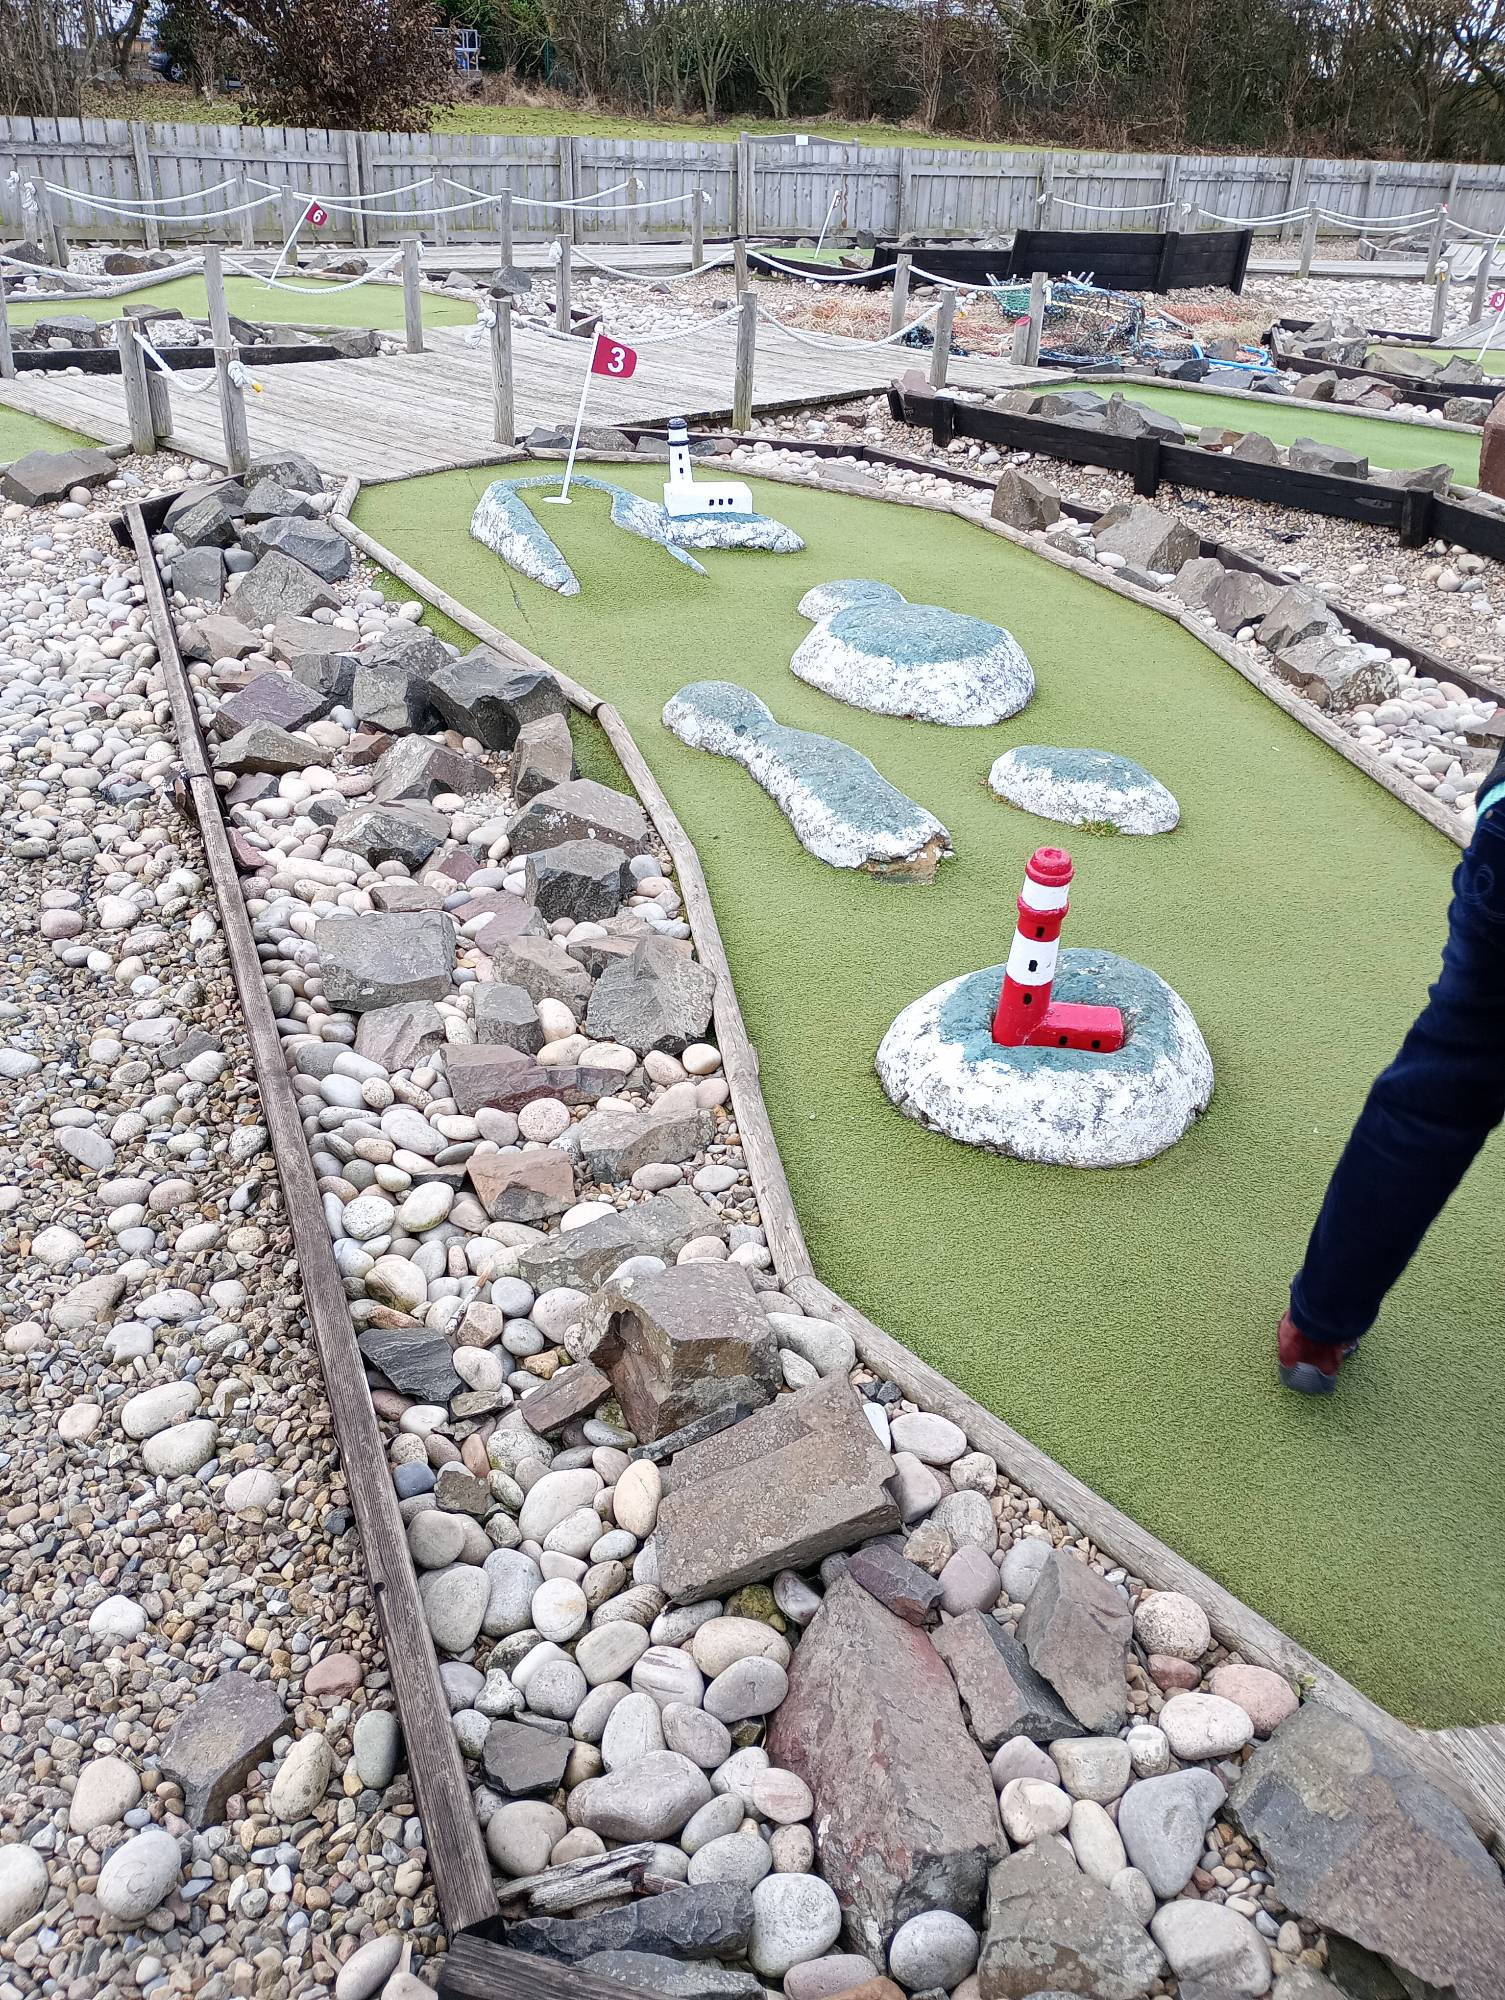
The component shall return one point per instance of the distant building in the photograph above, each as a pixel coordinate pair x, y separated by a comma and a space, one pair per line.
712, 496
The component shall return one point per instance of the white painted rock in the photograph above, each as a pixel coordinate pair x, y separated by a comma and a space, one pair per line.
1083, 788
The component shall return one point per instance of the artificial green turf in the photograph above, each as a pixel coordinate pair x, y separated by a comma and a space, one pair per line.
21, 433
1283, 419
1124, 1320
1492, 360
321, 305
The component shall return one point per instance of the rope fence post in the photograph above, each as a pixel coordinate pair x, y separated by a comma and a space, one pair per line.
634, 214
899, 305
355, 175
145, 186
747, 348
739, 265
1441, 284
293, 209
562, 287
504, 227
138, 406
568, 181
7, 358
50, 230
1481, 280
158, 399
1436, 243
697, 228
1308, 241
436, 202
1045, 193
504, 426
232, 399
412, 295
247, 215
1036, 319
940, 353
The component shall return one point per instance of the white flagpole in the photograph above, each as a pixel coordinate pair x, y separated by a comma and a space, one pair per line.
562, 497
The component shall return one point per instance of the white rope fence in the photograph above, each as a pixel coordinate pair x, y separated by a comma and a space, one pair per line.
1108, 208
765, 259
237, 371
324, 287
842, 340
579, 251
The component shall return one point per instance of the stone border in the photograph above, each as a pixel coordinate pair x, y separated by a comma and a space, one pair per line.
1234, 1623
1147, 381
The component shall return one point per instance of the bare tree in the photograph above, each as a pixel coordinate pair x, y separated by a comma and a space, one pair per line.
353, 65
588, 34
48, 51
709, 32
785, 44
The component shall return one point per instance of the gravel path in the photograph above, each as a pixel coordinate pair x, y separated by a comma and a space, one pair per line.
175, 1513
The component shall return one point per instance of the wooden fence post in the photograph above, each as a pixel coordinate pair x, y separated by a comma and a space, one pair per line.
355, 175
634, 215
905, 222
1308, 240
1440, 301
743, 223
247, 215
7, 358
899, 305
1170, 185
1036, 319
412, 296
504, 426
1293, 197
747, 347
145, 185
436, 198
568, 182
1481, 280
49, 229
697, 228
940, 354
504, 227
739, 266
138, 404
294, 208
1435, 245
1045, 193
158, 396
562, 287
1147, 466
232, 400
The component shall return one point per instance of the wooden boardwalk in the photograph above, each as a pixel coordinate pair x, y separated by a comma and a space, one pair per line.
394, 416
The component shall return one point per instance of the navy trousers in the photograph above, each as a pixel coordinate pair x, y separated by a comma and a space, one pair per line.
1425, 1118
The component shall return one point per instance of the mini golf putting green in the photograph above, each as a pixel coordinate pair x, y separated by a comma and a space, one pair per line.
1492, 360
1283, 419
21, 433
322, 304
1124, 1319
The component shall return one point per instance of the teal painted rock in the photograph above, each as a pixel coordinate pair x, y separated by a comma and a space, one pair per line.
1055, 1107
876, 651
841, 807
1083, 788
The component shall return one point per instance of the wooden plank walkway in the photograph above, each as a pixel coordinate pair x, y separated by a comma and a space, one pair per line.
393, 416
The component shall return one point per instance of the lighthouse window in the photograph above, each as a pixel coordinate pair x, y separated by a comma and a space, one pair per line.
1028, 998
1033, 963
1096, 1043
1039, 930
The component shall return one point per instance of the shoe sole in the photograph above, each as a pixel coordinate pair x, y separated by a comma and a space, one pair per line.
1307, 1379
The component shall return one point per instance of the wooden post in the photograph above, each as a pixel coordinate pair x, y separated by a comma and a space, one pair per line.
899, 305
1308, 240
1170, 183
412, 295
232, 400
504, 426
1481, 281
1293, 197
1435, 244
568, 182
1371, 184
7, 359
138, 404
697, 228
49, 229
739, 266
158, 396
145, 185
294, 208
504, 227
634, 216
1045, 193
436, 200
247, 215
356, 178
1036, 319
1440, 301
905, 224
747, 347
743, 213
940, 354
562, 287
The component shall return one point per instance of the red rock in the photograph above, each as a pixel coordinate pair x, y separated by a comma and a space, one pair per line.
1492, 453
335, 1674
1167, 1672
1265, 1697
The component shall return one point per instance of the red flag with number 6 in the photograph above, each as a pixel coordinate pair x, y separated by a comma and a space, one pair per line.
316, 215
613, 358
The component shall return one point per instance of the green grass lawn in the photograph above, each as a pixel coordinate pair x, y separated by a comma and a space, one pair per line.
1284, 419
321, 305
1123, 1320
20, 433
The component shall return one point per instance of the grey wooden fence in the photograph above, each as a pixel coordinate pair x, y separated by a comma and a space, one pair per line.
758, 187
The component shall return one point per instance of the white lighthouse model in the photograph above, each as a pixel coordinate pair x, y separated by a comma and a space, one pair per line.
683, 497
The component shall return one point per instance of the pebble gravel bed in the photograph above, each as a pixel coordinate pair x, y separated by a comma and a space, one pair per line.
174, 1512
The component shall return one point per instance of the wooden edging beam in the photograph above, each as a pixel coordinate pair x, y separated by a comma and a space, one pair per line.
457, 1852
1234, 1623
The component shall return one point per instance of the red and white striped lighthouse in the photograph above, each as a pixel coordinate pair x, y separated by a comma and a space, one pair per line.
1026, 1015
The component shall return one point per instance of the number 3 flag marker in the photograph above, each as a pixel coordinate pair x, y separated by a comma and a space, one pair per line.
607, 357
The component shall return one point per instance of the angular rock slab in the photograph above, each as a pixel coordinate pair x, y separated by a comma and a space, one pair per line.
1361, 1843
1059, 1107
385, 961
710, 1920
897, 658
841, 807
484, 696
869, 1695
43, 476
801, 1479
1092, 788
660, 1227
655, 999
1000, 1691
1076, 1630
579, 809
218, 1740
682, 1342
1050, 1927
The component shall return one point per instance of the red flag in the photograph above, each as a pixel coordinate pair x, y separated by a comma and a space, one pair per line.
612, 358
316, 215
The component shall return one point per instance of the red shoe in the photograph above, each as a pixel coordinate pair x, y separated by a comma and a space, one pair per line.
1307, 1365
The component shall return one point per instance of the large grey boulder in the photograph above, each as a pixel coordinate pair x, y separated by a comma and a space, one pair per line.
506, 1013
384, 961
1145, 536
1296, 614
313, 543
218, 1740
1051, 1926
407, 833
418, 768
277, 588
802, 1479
1239, 598
270, 697
656, 999
1254, 448
1163, 1824
1024, 503
579, 810
43, 476
268, 500
616, 1140
1336, 676
384, 695
1076, 1630
681, 1342
399, 1036
586, 880
1196, 580
267, 746
289, 469
660, 1227
542, 968
543, 755
200, 575
1126, 419
1312, 455
905, 1815
489, 698
1359, 1841
206, 522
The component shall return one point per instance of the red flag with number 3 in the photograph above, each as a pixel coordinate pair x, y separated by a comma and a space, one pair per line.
613, 358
